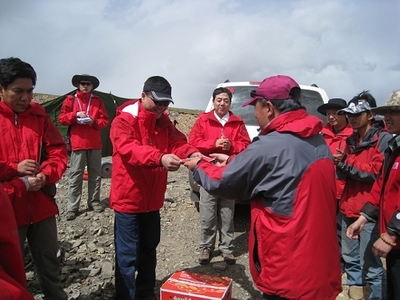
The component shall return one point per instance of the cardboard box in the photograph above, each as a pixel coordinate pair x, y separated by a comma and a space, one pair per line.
184, 285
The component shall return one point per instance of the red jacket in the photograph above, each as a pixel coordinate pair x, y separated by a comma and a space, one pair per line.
207, 129
361, 167
334, 141
285, 173
385, 194
12, 271
138, 181
24, 135
84, 137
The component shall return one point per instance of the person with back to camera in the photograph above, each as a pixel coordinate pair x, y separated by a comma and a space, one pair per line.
86, 116
383, 205
218, 131
335, 133
284, 173
360, 164
36, 158
146, 145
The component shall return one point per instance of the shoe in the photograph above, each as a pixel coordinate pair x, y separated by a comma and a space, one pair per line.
205, 256
71, 215
229, 258
97, 208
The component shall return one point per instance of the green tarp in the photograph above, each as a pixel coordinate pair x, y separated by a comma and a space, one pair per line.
111, 103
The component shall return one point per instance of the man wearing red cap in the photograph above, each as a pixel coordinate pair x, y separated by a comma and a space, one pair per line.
288, 175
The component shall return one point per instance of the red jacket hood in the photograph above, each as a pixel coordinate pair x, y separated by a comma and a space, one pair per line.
297, 122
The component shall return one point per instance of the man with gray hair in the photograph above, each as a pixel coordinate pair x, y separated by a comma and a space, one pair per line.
288, 176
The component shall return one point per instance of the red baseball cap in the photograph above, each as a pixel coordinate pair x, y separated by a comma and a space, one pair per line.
277, 87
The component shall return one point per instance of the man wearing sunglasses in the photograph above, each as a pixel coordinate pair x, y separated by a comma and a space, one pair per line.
86, 116
359, 165
146, 145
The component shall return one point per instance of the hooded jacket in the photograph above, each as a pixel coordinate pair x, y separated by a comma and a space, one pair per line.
83, 136
360, 168
207, 129
138, 180
288, 175
337, 141
30, 135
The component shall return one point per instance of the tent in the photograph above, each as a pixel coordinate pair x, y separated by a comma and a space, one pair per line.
111, 102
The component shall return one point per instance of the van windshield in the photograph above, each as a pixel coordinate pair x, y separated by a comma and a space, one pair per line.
310, 99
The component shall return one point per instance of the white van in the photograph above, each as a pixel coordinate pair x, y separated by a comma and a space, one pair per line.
311, 98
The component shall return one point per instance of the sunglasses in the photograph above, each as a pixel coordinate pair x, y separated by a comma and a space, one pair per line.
160, 103
83, 83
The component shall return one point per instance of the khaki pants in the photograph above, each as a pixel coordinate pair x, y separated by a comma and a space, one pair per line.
78, 161
216, 214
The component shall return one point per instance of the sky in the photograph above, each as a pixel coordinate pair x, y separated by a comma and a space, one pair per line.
344, 47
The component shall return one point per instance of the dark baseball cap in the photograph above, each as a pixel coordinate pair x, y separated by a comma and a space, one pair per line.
159, 88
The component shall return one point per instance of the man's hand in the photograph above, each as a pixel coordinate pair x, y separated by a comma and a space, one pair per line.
28, 167
81, 114
220, 159
42, 179
171, 162
191, 163
35, 184
354, 229
380, 248
223, 143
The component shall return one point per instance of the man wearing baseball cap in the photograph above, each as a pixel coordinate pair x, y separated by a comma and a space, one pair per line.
383, 204
146, 145
287, 174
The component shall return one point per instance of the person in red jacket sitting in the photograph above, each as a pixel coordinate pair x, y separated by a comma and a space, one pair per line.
218, 131
146, 145
36, 158
86, 116
383, 205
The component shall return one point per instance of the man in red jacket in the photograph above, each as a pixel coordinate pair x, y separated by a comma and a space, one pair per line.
146, 145
384, 202
35, 157
86, 116
284, 173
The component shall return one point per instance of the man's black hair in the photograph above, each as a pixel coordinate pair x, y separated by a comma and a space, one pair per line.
221, 90
364, 95
13, 68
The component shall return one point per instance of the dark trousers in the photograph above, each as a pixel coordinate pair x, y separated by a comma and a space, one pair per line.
393, 275
272, 297
136, 237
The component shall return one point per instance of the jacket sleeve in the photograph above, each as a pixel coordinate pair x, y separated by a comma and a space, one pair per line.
8, 170
128, 147
54, 153
365, 171
241, 140
198, 140
101, 119
370, 209
67, 115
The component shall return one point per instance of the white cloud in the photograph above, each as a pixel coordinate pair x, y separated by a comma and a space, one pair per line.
344, 47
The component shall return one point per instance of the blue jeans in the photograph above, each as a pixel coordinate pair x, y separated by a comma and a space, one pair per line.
136, 237
393, 274
361, 265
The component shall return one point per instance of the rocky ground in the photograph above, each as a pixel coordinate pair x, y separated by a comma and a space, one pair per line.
87, 249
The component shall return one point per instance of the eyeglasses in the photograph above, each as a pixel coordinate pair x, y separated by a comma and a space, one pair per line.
83, 83
160, 103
